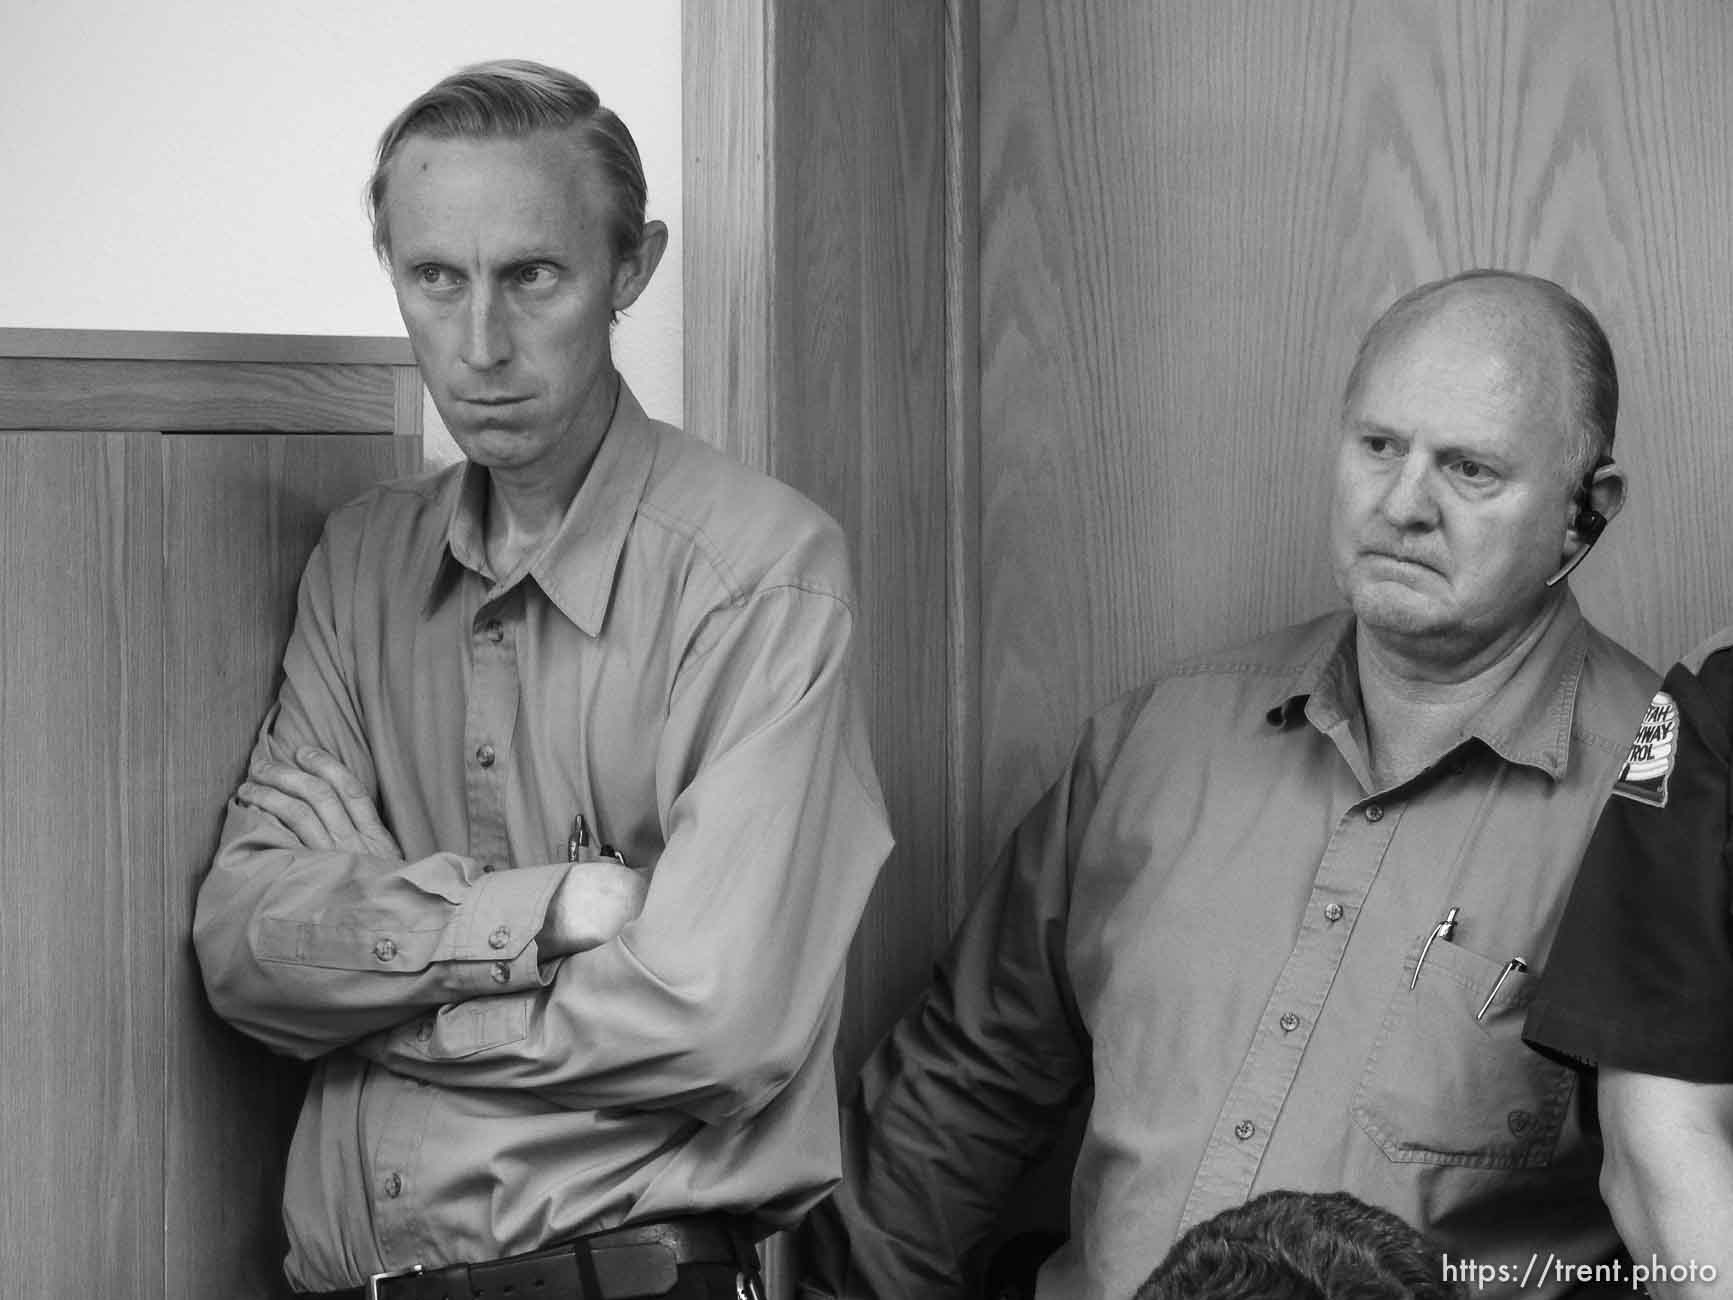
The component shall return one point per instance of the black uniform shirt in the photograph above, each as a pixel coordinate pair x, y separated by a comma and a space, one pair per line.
1641, 974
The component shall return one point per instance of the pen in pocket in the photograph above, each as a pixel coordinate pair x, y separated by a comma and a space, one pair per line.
1514, 964
579, 838
1443, 930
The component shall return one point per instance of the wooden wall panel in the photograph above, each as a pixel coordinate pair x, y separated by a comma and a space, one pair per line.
105, 393
859, 420
81, 932
242, 513
1191, 211
728, 240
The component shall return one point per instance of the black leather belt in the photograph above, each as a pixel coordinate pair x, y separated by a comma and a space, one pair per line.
619, 1264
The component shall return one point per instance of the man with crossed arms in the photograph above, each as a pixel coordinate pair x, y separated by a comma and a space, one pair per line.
553, 843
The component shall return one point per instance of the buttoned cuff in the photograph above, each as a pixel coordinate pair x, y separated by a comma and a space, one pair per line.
493, 940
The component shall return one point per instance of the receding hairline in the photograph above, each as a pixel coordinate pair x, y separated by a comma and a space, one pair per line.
1508, 308
515, 99
575, 172
1519, 311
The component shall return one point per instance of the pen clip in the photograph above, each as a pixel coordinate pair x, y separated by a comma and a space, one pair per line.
579, 838
1514, 964
1443, 930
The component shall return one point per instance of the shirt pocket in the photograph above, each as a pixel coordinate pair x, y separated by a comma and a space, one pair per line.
1442, 1087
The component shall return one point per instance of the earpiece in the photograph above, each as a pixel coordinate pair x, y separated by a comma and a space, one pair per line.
1588, 524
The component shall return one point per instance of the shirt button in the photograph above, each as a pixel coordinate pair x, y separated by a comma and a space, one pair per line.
495, 631
499, 938
1333, 912
1244, 1130
1289, 1023
501, 972
484, 755
385, 949
393, 1185
1374, 812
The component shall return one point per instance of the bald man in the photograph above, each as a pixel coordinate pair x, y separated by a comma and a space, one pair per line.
1285, 907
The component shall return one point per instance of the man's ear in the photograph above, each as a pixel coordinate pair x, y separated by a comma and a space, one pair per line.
1607, 490
633, 271
1606, 497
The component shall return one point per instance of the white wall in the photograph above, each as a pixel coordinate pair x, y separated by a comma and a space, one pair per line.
198, 164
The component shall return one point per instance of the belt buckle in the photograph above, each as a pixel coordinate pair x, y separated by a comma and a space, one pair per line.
391, 1274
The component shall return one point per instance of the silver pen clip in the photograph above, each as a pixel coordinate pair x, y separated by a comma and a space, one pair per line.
1443, 930
1514, 964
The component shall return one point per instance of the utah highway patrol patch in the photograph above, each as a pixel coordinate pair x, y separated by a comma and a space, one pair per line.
1653, 753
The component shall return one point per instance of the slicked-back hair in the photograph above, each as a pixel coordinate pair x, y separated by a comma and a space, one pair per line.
1288, 1245
509, 99
1592, 408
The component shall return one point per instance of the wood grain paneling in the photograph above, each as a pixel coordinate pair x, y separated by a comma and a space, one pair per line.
1192, 210
242, 513
128, 700
962, 109
409, 398
81, 932
729, 257
197, 345
860, 421
59, 393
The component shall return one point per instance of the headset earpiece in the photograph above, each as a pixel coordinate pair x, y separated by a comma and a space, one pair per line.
1589, 524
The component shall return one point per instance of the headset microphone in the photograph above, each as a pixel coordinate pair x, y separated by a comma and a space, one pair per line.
1588, 524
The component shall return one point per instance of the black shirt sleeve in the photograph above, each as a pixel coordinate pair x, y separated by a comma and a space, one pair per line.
1640, 976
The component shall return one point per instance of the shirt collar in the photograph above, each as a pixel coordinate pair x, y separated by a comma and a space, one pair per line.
576, 568
1528, 722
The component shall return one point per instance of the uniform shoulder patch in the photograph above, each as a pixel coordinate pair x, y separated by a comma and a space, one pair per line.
1653, 753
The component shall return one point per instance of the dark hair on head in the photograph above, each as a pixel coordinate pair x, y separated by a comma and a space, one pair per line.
1593, 380
509, 99
1288, 1245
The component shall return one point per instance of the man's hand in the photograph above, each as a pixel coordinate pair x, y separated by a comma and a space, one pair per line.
321, 801
591, 906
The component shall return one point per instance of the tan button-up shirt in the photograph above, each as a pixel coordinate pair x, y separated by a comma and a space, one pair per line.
675, 666
1215, 917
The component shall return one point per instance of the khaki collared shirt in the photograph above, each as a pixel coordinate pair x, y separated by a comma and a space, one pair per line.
675, 666
1215, 917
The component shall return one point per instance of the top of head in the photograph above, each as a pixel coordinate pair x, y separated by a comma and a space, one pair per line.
1557, 351
511, 98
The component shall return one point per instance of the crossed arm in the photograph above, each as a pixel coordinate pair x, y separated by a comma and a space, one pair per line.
575, 982
325, 806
